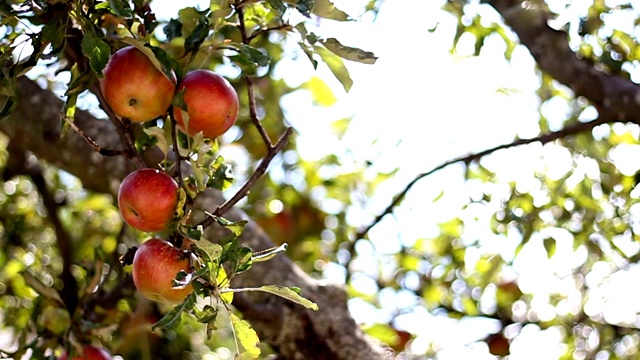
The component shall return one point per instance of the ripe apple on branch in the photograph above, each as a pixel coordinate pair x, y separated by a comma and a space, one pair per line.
160, 92
134, 87
205, 106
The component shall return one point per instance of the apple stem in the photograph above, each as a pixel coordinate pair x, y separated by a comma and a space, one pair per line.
123, 128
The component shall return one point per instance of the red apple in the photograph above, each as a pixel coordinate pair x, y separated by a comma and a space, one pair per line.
134, 88
90, 352
212, 104
147, 199
155, 265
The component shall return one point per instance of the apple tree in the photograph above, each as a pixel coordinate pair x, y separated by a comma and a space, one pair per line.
244, 236
134, 248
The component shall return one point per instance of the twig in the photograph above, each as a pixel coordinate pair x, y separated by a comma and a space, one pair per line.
257, 33
467, 159
259, 171
90, 141
253, 113
272, 149
176, 149
123, 130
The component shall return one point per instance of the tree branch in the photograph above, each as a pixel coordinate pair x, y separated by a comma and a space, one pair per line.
19, 165
617, 99
299, 333
550, 48
572, 129
257, 173
253, 113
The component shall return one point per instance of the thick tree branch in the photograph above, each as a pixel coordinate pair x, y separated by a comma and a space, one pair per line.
19, 165
297, 333
550, 48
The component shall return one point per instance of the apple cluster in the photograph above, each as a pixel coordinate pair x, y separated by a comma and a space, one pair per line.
135, 89
147, 200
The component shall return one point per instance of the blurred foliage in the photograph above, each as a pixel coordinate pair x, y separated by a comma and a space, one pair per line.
584, 221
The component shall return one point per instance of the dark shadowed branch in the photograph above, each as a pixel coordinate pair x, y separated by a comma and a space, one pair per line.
18, 164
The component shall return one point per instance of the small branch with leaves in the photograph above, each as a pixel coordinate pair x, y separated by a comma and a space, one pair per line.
97, 148
573, 129
257, 173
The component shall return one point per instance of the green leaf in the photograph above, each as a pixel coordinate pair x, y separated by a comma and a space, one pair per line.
337, 67
121, 8
240, 256
158, 133
193, 41
349, 53
80, 81
256, 56
303, 6
198, 175
173, 318
7, 108
8, 88
326, 9
190, 232
97, 51
54, 32
212, 250
182, 200
222, 177
69, 112
249, 58
278, 5
550, 246
173, 29
150, 52
168, 63
220, 10
291, 294
242, 259
308, 39
236, 227
268, 254
207, 314
222, 282
246, 336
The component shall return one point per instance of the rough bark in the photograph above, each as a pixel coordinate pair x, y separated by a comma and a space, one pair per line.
617, 98
293, 331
